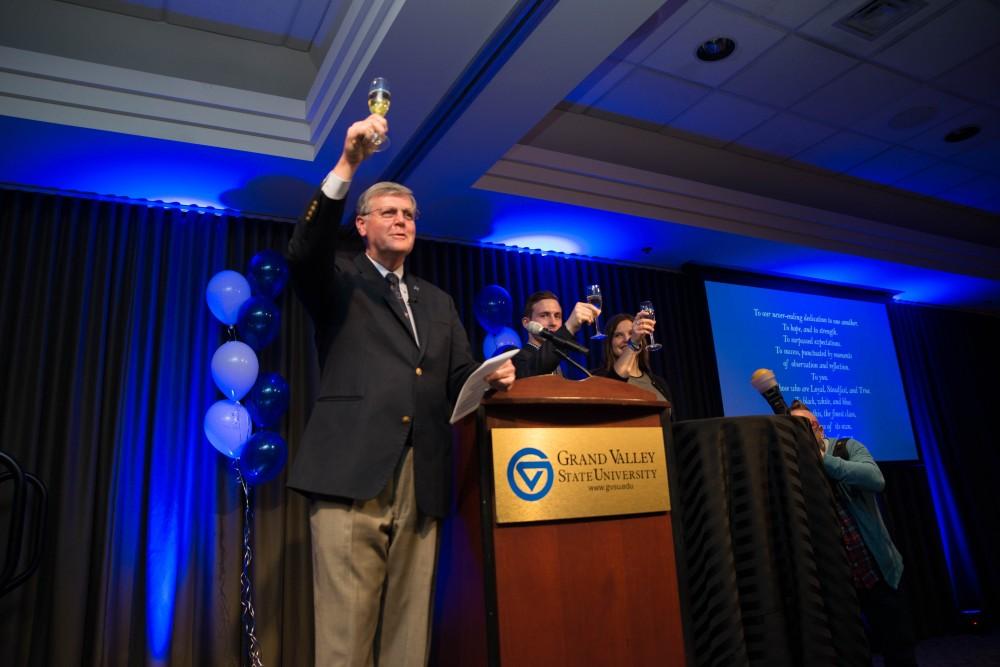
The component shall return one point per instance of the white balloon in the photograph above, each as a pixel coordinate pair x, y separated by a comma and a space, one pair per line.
227, 426
234, 369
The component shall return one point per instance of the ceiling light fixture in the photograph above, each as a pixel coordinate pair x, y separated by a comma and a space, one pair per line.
715, 49
962, 133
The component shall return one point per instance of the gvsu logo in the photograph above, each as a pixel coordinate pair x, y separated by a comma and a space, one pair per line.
529, 474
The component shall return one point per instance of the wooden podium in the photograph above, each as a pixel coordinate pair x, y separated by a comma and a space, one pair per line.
599, 590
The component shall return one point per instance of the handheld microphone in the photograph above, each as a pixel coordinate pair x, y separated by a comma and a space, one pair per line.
536, 329
763, 380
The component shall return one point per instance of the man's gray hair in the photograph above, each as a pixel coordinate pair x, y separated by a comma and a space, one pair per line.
383, 189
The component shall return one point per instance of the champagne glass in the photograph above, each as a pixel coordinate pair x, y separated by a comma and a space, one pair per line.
379, 97
647, 310
594, 298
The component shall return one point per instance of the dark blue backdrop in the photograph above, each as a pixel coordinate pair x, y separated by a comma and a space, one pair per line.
104, 380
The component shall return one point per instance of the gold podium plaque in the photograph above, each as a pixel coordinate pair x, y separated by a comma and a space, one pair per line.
541, 474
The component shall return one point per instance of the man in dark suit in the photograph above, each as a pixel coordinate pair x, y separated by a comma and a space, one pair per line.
375, 458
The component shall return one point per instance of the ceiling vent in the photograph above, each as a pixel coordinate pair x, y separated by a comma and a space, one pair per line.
873, 19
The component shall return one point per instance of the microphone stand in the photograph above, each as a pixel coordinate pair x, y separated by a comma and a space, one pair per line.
571, 360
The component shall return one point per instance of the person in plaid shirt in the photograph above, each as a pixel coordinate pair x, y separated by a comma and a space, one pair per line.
876, 566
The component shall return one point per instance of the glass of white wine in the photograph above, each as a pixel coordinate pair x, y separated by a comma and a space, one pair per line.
595, 299
647, 310
379, 97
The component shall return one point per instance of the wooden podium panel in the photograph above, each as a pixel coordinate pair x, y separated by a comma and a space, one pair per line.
594, 591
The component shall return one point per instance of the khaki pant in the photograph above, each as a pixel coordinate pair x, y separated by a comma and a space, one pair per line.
373, 576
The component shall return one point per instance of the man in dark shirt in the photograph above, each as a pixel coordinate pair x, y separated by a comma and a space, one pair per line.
538, 356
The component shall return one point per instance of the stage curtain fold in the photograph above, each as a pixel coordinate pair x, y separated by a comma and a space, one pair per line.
950, 366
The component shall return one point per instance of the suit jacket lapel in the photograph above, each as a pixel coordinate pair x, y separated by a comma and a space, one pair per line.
380, 286
419, 311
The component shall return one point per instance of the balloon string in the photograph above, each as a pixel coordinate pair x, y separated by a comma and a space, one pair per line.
246, 586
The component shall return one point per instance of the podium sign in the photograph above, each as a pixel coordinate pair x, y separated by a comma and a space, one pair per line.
566, 484
541, 474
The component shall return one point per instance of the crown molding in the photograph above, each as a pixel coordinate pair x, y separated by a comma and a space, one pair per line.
66, 91
554, 176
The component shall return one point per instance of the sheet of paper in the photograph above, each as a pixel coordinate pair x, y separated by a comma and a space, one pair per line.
474, 388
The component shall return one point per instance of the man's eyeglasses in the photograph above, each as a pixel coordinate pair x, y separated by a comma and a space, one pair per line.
391, 213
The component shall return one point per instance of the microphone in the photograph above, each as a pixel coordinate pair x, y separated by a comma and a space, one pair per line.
763, 380
537, 329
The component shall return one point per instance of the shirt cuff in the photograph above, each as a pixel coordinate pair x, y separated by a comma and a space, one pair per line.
334, 187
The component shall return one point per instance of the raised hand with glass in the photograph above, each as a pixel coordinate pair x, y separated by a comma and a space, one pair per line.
379, 98
595, 299
646, 310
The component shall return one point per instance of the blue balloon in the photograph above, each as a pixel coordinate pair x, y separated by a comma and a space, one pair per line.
267, 273
268, 400
234, 369
503, 340
258, 322
226, 292
227, 426
263, 457
493, 308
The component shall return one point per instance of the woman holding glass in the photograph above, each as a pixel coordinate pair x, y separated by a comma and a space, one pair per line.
626, 357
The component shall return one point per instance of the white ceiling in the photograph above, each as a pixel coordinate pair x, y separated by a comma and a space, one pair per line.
300, 25
801, 90
807, 146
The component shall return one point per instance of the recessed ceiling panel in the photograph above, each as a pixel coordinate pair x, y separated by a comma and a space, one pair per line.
721, 117
978, 79
904, 117
937, 178
789, 72
137, 45
861, 92
892, 165
651, 96
934, 140
964, 31
599, 82
290, 24
842, 151
785, 135
677, 55
985, 157
787, 14
642, 44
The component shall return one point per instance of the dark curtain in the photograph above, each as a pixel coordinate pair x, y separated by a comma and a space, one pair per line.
951, 365
104, 382
762, 548
910, 515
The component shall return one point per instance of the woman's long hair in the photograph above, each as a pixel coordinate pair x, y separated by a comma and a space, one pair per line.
609, 355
